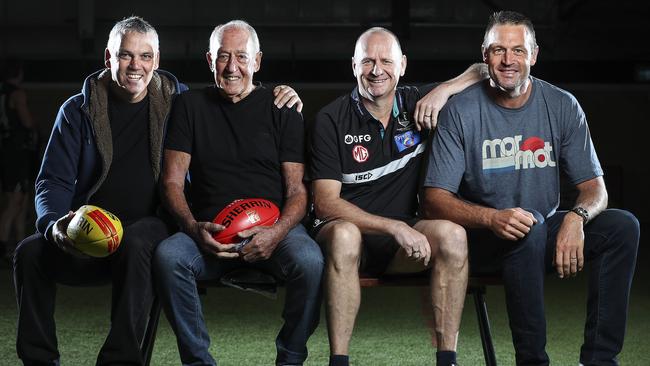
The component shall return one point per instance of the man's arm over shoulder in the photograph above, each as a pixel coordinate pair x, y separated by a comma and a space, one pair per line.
428, 107
292, 168
56, 180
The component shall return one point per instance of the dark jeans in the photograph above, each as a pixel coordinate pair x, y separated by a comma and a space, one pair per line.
39, 265
297, 261
611, 243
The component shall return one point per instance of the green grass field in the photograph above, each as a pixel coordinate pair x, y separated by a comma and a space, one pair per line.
391, 327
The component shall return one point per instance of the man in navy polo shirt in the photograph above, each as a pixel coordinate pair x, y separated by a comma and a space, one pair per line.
366, 151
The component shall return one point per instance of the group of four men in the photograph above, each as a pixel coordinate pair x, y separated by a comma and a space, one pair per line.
492, 176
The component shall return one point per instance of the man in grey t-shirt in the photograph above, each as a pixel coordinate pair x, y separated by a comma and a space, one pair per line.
495, 168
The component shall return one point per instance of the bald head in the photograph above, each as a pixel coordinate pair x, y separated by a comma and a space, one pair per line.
375, 33
378, 63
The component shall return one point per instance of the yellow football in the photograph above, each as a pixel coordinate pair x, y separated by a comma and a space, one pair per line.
95, 231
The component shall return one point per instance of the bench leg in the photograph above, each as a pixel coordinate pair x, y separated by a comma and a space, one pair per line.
484, 325
150, 333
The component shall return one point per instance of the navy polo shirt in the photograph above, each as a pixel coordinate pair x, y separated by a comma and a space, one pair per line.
380, 170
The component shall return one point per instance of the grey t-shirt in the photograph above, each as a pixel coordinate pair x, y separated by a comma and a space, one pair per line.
501, 158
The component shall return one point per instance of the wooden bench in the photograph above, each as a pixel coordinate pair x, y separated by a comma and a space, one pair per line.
476, 288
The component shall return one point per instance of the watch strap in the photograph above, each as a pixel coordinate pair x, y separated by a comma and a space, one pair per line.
580, 211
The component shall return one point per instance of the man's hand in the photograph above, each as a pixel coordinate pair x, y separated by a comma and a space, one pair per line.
202, 233
285, 95
428, 107
512, 223
415, 244
569, 250
263, 241
61, 239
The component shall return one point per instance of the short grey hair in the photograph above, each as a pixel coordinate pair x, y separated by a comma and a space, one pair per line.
217, 35
131, 24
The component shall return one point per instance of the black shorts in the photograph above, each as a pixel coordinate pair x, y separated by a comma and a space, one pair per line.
377, 250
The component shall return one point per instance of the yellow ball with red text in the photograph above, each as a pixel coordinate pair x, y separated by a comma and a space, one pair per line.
95, 231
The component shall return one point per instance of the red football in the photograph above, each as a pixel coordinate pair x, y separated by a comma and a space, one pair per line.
243, 214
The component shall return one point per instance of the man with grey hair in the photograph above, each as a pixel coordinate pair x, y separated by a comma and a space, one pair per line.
366, 159
235, 144
495, 166
105, 149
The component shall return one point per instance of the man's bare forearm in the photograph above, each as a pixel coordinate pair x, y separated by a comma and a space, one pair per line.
472, 75
176, 204
339, 209
441, 204
295, 196
172, 188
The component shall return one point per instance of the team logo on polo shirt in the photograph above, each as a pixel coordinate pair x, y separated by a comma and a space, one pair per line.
360, 153
406, 140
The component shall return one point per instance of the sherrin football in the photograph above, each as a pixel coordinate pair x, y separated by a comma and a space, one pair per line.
95, 231
243, 214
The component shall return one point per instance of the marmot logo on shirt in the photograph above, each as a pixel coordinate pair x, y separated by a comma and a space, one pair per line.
509, 153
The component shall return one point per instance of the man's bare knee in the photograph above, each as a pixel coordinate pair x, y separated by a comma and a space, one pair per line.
452, 245
448, 240
342, 241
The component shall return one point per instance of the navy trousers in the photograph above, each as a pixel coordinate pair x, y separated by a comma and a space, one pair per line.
611, 244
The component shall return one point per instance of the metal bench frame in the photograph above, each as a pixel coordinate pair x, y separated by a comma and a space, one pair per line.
476, 288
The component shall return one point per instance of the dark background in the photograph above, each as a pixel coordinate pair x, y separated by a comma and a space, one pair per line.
598, 50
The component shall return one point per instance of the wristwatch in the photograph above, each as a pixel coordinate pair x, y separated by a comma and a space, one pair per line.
582, 213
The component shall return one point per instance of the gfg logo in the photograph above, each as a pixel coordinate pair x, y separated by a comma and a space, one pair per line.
349, 139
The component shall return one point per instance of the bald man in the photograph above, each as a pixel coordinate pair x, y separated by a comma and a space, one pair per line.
366, 158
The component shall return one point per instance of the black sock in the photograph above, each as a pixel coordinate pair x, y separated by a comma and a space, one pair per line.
445, 358
339, 360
